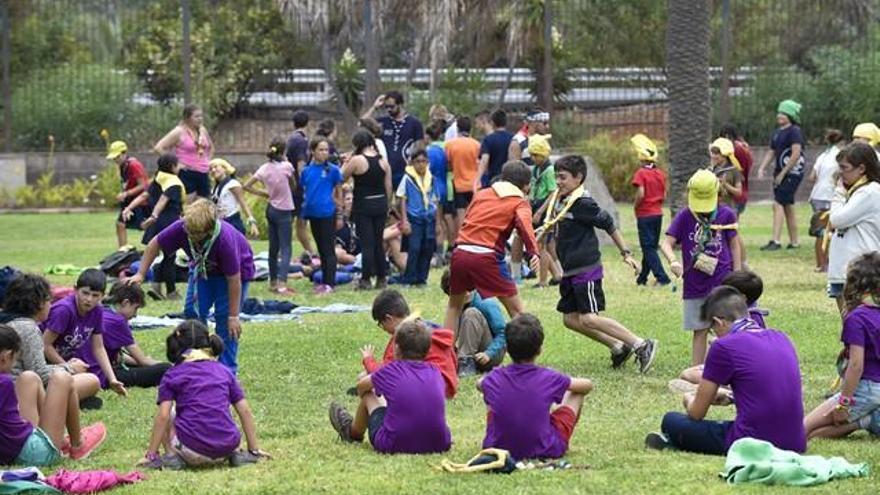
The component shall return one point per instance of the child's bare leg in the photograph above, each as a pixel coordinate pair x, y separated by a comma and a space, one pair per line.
369, 403
791, 223
555, 268
72, 421
545, 265
30, 393
513, 305
699, 345
574, 401
516, 258
573, 322
453, 311
693, 374
121, 234
610, 327
86, 385
54, 414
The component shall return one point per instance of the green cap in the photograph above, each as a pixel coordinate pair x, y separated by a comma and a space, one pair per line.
790, 108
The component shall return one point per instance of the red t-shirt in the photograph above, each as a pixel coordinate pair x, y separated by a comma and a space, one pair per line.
742, 153
653, 180
132, 173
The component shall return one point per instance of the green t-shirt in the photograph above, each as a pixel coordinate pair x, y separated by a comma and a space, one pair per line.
543, 181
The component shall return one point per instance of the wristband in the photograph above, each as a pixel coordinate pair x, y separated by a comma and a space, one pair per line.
251, 221
845, 401
625, 252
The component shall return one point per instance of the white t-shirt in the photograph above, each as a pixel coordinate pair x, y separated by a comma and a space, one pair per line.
380, 147
825, 167
858, 229
227, 205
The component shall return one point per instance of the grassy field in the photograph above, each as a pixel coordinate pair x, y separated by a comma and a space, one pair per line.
291, 371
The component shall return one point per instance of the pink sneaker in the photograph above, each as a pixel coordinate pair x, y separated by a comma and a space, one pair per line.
91, 437
323, 290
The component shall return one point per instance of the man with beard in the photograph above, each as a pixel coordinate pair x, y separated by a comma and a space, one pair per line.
401, 132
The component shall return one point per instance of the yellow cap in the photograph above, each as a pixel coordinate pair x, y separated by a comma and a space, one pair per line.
223, 164
645, 148
725, 147
116, 148
869, 131
703, 192
539, 144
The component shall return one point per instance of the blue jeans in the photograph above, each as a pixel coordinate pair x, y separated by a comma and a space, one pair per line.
422, 242
213, 292
649, 240
702, 437
280, 227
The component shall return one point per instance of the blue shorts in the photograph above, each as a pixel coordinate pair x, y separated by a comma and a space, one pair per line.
866, 410
38, 450
784, 192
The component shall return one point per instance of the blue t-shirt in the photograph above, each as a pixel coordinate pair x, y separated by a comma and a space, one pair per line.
495, 144
781, 144
319, 180
297, 148
437, 164
400, 138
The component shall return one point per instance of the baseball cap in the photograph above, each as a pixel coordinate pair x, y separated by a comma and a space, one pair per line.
645, 148
703, 192
116, 148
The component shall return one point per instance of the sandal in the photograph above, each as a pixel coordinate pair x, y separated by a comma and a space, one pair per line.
284, 291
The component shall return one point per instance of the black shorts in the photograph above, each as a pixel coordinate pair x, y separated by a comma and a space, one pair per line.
195, 182
462, 200
583, 298
784, 192
375, 422
137, 217
298, 199
448, 208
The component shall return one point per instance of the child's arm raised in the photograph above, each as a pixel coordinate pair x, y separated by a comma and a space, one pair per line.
249, 427
581, 386
698, 405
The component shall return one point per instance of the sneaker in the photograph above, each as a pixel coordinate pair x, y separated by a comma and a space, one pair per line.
771, 246
467, 366
341, 421
363, 284
554, 282
173, 296
680, 386
353, 391
241, 458
92, 403
793, 246
381, 284
90, 438
155, 292
645, 355
617, 360
323, 290
305, 259
656, 441
172, 462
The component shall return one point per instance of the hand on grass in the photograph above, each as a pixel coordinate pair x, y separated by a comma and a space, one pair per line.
482, 358
260, 453
119, 388
367, 351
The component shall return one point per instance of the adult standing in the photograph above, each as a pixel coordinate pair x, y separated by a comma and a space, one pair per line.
854, 217
537, 122
134, 182
372, 193
190, 141
493, 150
463, 155
297, 152
787, 153
743, 154
401, 132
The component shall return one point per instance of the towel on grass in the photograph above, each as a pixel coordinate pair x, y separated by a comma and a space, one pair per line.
756, 461
91, 481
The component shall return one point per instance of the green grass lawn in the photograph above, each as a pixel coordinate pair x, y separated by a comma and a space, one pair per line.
291, 371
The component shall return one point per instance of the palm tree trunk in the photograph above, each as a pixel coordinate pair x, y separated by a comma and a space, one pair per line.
507, 80
545, 91
371, 50
687, 63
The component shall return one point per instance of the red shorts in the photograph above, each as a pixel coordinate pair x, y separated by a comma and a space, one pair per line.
486, 273
564, 419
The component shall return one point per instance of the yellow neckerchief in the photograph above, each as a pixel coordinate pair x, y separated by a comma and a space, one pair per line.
422, 182
549, 218
853, 188
166, 180
194, 355
505, 189
712, 226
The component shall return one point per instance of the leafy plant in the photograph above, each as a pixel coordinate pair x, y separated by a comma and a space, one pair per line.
349, 80
98, 191
617, 161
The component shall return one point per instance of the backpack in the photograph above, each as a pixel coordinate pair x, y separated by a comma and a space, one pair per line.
118, 261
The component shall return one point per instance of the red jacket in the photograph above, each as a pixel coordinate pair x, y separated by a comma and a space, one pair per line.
441, 354
493, 214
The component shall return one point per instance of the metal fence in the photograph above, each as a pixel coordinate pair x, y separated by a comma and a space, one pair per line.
72, 68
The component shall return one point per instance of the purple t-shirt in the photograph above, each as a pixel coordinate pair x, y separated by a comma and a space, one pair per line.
861, 327
746, 360
415, 421
519, 397
116, 333
74, 331
230, 253
686, 231
202, 392
757, 315
14, 430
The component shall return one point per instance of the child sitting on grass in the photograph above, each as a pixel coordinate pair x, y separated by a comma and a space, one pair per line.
200, 390
401, 404
520, 398
745, 357
389, 311
857, 406
575, 217
33, 421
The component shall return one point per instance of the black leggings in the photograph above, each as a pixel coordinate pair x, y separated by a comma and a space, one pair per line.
141, 376
167, 272
324, 232
369, 230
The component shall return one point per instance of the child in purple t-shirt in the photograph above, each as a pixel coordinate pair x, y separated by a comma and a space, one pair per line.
857, 406
743, 358
402, 404
33, 421
200, 390
75, 323
710, 249
532, 410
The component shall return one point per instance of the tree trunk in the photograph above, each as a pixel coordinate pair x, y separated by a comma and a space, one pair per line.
508, 79
348, 118
545, 91
186, 54
726, 62
371, 51
687, 63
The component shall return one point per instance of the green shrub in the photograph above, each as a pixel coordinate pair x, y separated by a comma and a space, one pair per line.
100, 190
617, 161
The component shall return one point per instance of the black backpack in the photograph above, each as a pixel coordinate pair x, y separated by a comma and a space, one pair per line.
113, 264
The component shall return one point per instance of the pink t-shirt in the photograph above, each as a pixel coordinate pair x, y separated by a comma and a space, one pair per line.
191, 156
276, 177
